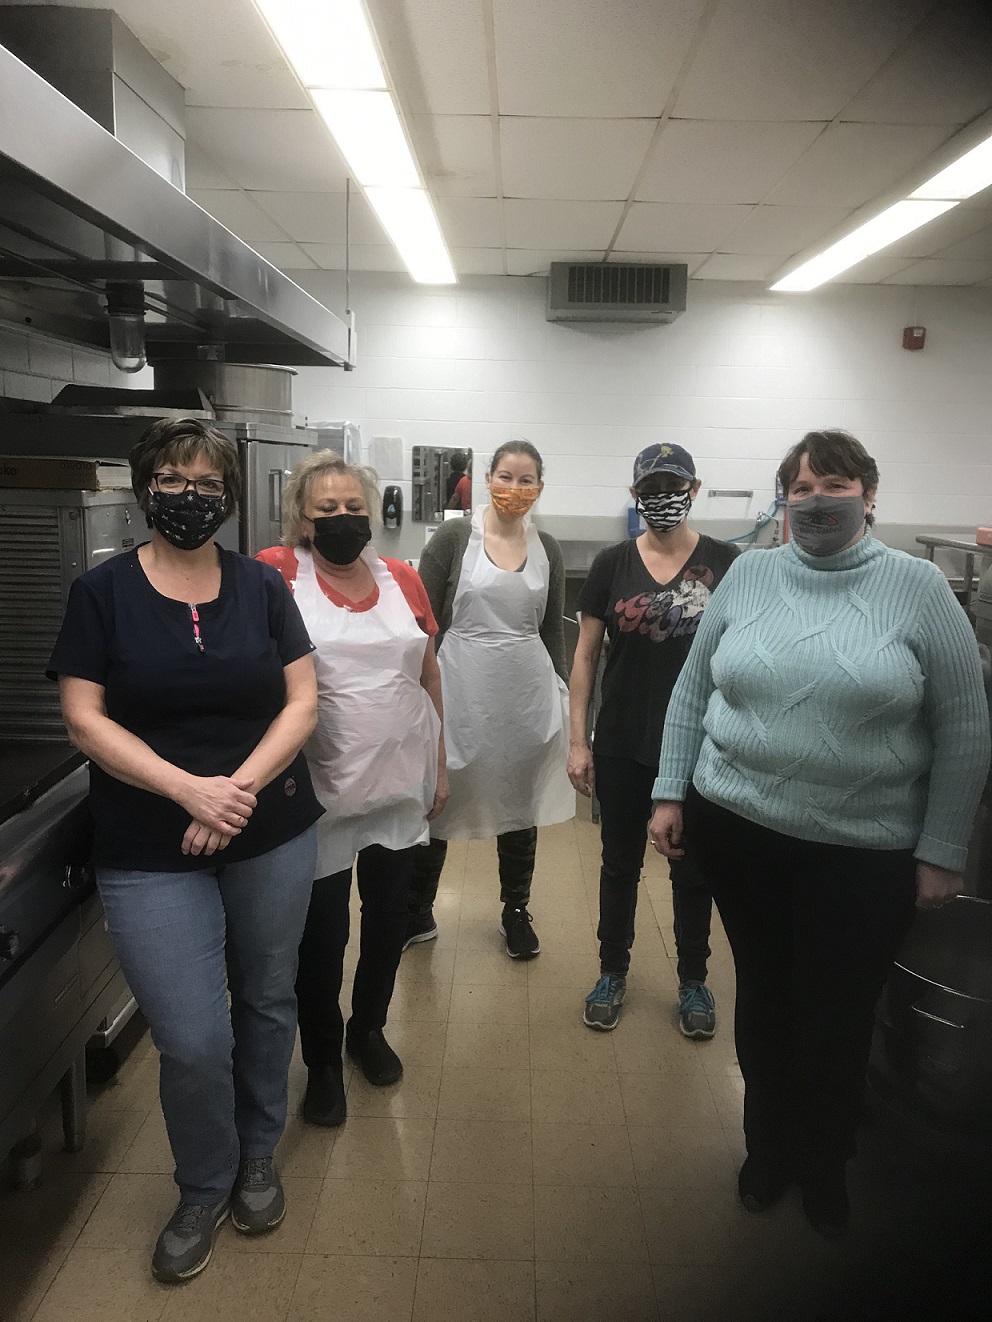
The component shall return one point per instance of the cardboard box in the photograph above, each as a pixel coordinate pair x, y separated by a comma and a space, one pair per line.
63, 474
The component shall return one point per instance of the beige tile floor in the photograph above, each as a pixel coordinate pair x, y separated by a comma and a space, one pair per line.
525, 1167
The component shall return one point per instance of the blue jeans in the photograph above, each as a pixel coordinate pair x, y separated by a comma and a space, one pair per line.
186, 939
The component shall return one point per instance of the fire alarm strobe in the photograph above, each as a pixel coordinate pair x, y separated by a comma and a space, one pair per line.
914, 337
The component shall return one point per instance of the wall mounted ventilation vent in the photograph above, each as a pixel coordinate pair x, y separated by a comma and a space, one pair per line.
615, 291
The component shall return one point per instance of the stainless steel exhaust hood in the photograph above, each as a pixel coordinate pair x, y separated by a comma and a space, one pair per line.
80, 212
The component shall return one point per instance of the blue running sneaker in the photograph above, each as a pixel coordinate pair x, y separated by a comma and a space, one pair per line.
697, 1010
604, 1001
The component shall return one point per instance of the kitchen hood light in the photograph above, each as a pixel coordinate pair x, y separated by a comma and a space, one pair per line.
874, 234
965, 177
328, 42
369, 135
408, 218
126, 322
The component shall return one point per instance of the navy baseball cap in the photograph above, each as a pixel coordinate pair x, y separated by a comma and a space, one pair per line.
664, 459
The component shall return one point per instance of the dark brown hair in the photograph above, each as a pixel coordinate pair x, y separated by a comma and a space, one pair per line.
830, 451
519, 447
179, 441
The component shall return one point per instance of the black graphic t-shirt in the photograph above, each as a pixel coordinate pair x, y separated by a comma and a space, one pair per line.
650, 626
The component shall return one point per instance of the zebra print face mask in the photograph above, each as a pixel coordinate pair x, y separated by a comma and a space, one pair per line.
664, 511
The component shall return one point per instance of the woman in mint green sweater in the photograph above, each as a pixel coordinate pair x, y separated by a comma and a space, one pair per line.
824, 753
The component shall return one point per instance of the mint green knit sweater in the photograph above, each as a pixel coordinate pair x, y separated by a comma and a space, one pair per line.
835, 698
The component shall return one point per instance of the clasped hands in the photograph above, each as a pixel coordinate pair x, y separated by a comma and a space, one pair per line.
220, 807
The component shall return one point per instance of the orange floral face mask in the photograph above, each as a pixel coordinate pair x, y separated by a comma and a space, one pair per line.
513, 502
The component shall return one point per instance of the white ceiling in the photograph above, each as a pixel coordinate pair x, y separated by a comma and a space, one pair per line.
729, 134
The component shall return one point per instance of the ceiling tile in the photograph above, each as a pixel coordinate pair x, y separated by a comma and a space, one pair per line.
470, 222
977, 248
477, 261
782, 60
941, 233
528, 261
849, 164
364, 256
657, 226
935, 271
239, 213
456, 154
537, 224
950, 56
873, 270
572, 158
784, 230
320, 217
202, 171
287, 150
287, 256
436, 53
709, 161
590, 59
737, 266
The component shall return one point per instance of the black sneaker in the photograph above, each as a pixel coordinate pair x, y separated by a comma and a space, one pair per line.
825, 1200
376, 1058
324, 1101
420, 927
185, 1245
258, 1202
521, 939
761, 1183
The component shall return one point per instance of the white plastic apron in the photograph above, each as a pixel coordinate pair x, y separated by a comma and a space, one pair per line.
505, 708
373, 755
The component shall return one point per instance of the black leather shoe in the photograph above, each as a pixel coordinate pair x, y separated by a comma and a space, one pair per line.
324, 1100
761, 1183
825, 1200
376, 1058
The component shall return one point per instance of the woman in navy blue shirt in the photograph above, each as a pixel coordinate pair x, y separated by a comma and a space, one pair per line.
186, 677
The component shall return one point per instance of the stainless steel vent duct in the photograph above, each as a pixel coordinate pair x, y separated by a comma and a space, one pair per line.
79, 211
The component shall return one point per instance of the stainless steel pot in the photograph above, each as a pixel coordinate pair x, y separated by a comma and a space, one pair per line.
238, 392
934, 1043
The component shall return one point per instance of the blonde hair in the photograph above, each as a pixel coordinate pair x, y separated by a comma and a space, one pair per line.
317, 465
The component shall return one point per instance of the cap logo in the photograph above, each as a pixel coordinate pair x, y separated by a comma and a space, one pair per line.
665, 451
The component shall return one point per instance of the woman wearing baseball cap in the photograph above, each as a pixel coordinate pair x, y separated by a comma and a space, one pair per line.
648, 595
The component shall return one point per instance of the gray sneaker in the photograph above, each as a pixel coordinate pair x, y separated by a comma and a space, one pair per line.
604, 1001
258, 1202
185, 1245
697, 1010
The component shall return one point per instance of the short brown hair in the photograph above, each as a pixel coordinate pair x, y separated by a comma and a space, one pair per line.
830, 451
318, 464
179, 441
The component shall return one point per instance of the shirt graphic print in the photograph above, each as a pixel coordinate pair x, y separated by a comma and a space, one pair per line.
672, 612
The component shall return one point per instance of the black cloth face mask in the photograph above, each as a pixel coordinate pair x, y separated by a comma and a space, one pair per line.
186, 519
340, 538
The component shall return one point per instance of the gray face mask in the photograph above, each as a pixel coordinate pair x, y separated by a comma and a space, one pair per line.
823, 525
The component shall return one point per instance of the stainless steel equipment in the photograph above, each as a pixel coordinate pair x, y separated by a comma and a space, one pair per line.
82, 216
268, 456
237, 392
48, 538
981, 607
58, 975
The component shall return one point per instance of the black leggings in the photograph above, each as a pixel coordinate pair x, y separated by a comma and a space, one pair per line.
383, 884
623, 788
814, 929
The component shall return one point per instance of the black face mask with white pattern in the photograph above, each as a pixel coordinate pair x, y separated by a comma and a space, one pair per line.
665, 510
186, 519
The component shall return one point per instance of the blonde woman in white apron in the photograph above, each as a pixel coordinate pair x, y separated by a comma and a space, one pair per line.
376, 760
497, 586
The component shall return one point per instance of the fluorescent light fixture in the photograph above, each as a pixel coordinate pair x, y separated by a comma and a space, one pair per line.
332, 49
965, 177
408, 218
370, 137
328, 42
874, 234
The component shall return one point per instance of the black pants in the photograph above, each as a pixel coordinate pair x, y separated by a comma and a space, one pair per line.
814, 929
516, 851
623, 788
383, 884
